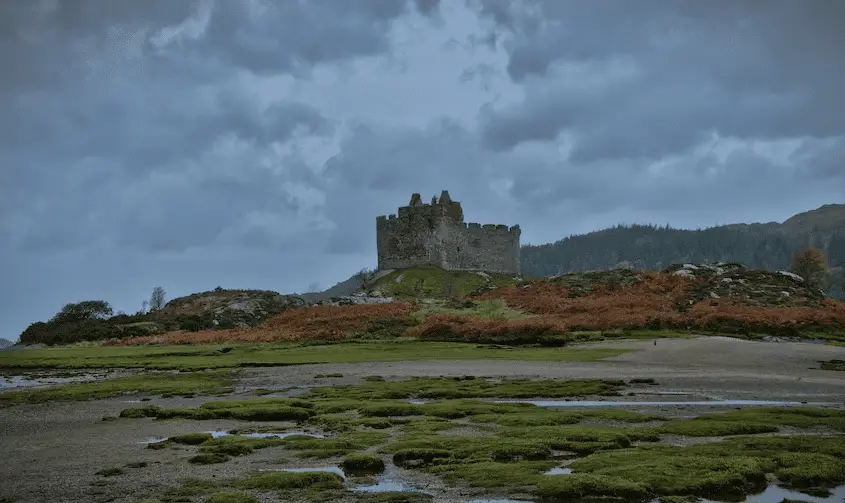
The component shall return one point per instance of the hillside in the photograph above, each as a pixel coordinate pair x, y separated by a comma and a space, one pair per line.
765, 246
720, 298
213, 310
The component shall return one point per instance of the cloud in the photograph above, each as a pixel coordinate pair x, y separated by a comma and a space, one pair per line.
252, 144
655, 78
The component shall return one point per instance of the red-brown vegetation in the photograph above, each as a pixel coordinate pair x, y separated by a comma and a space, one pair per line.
651, 300
305, 323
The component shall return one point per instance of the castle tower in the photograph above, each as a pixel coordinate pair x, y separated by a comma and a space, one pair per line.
436, 234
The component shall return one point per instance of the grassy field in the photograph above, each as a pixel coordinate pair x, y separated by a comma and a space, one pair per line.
507, 447
433, 282
168, 384
255, 355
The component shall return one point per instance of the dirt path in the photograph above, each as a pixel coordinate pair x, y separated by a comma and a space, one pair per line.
52, 451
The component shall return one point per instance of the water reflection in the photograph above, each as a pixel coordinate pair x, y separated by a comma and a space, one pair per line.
611, 403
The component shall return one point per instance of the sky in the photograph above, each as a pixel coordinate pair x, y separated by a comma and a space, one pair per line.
252, 143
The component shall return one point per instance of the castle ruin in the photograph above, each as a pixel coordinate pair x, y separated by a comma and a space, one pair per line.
436, 234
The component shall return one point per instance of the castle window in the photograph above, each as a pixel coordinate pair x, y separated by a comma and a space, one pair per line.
459, 249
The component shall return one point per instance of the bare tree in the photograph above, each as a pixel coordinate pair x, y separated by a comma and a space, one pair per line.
365, 276
145, 305
313, 287
157, 299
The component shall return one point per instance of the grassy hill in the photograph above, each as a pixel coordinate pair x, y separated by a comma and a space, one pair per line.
764, 246
434, 282
459, 306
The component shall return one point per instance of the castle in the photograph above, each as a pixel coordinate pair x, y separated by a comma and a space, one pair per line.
436, 234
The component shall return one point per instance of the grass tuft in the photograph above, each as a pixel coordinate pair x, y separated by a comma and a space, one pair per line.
362, 464
205, 383
291, 480
232, 497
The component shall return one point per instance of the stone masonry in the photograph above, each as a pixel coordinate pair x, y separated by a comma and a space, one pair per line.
436, 234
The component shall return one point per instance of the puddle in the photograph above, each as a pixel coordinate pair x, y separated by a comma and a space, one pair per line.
711, 403
389, 481
385, 486
22, 381
329, 469
667, 393
221, 433
561, 470
776, 494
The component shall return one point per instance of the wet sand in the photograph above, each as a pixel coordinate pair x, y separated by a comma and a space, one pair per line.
52, 451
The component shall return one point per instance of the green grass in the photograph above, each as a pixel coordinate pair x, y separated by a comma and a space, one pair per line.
394, 497
289, 480
730, 468
517, 443
191, 358
578, 486
361, 463
495, 308
191, 438
205, 383
514, 477
189, 489
232, 497
433, 282
693, 428
833, 365
262, 409
470, 387
756, 420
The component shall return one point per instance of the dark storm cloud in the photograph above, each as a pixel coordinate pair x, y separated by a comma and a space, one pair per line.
123, 89
664, 74
252, 143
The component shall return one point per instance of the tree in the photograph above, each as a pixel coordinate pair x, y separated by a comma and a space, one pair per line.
810, 264
85, 310
157, 299
313, 287
364, 276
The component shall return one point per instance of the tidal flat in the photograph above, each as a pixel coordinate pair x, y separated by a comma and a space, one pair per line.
442, 430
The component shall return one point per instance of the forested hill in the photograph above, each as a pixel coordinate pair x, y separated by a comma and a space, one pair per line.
765, 246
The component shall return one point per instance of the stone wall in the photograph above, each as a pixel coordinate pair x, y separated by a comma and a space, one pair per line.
435, 234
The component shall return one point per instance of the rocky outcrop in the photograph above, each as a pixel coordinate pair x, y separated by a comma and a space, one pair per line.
229, 308
753, 287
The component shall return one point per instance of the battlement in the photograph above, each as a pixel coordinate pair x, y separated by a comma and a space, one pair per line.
435, 234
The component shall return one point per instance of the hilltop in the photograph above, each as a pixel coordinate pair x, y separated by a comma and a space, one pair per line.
759, 245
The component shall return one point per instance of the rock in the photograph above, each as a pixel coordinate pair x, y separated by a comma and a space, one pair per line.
791, 275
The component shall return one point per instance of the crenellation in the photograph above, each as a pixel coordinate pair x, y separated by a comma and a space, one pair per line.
436, 234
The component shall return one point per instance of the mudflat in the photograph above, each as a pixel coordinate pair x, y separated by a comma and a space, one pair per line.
63, 451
